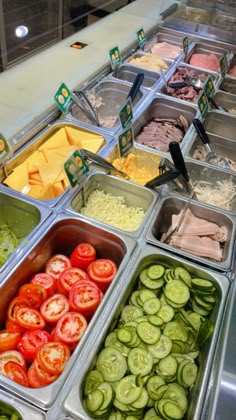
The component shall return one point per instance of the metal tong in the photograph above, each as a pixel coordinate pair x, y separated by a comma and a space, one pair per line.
176, 172
196, 82
86, 107
99, 161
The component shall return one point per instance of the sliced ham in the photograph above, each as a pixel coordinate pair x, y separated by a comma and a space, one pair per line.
201, 246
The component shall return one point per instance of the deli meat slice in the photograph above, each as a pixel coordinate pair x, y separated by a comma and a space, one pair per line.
201, 246
194, 226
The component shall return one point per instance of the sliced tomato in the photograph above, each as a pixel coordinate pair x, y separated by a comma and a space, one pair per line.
83, 255
102, 272
30, 343
16, 373
57, 264
54, 307
16, 303
12, 356
8, 340
46, 281
68, 277
71, 327
53, 356
84, 298
13, 327
30, 319
38, 377
35, 293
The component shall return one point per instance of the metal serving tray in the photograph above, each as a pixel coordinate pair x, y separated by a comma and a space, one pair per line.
162, 106
34, 145
229, 85
207, 174
161, 222
22, 216
201, 4
221, 124
201, 48
170, 39
220, 145
61, 235
127, 73
215, 77
73, 404
226, 100
110, 96
26, 411
135, 196
141, 54
224, 21
192, 14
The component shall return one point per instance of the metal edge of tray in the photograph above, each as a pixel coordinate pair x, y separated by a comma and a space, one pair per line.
147, 73
27, 411
224, 119
46, 397
44, 213
140, 53
108, 130
125, 185
217, 381
228, 97
159, 97
203, 165
224, 266
195, 141
199, 37
36, 140
73, 394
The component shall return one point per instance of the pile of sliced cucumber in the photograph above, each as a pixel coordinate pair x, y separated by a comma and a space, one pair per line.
150, 360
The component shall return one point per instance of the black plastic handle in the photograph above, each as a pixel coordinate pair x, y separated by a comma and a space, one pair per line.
216, 106
163, 178
201, 131
178, 159
136, 86
177, 85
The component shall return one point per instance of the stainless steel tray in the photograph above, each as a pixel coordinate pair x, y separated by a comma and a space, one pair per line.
127, 73
197, 15
170, 39
162, 106
35, 144
23, 217
107, 98
208, 174
220, 124
139, 54
228, 85
161, 222
215, 77
72, 403
26, 411
226, 100
201, 48
221, 146
61, 235
135, 196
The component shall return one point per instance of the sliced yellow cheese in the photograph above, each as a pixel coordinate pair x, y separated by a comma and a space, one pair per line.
59, 139
18, 179
76, 135
93, 145
58, 188
48, 173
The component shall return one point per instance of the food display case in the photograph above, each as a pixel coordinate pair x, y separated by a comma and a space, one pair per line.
166, 241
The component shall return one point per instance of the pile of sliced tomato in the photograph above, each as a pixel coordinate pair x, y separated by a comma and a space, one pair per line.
49, 315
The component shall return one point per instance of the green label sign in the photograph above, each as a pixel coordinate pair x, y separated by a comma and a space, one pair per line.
223, 65
209, 88
75, 167
185, 45
126, 142
4, 148
115, 57
126, 113
63, 98
203, 103
141, 37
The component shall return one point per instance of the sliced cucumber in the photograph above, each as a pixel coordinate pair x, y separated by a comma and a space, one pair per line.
108, 395
153, 384
155, 320
182, 274
171, 410
166, 313
140, 361
94, 400
127, 391
176, 331
142, 400
155, 272
130, 313
177, 292
202, 285
167, 367
148, 332
93, 379
124, 335
161, 348
112, 364
189, 374
146, 294
152, 306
